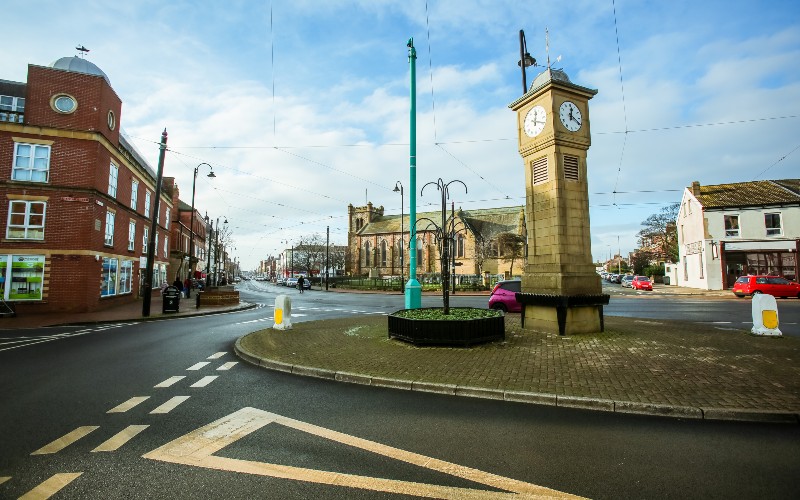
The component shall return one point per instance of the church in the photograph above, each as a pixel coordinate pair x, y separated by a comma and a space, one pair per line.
486, 241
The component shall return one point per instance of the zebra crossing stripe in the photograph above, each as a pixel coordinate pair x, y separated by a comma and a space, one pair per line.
66, 440
204, 381
50, 486
127, 405
170, 381
228, 365
216, 355
199, 365
120, 438
169, 405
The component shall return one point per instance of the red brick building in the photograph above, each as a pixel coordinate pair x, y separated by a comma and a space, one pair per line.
76, 198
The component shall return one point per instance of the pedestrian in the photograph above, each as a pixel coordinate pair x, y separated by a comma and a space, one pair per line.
300, 281
178, 284
187, 286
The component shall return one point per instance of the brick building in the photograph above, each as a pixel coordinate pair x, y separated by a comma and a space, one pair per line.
78, 199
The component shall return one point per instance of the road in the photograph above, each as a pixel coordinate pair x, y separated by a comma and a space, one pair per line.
129, 411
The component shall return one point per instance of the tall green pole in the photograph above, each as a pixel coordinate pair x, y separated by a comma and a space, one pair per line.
413, 293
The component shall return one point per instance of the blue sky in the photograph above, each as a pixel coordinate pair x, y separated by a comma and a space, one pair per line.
302, 106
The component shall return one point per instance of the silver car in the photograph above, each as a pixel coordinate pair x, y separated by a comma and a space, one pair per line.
626, 280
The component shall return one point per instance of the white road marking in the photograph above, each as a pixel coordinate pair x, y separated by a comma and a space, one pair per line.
204, 381
50, 486
198, 447
120, 438
170, 381
127, 405
4, 479
170, 405
65, 440
228, 365
217, 355
198, 366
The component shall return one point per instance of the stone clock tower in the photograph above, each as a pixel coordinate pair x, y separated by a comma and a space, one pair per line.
560, 289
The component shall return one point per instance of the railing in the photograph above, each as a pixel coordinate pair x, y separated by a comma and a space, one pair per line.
429, 282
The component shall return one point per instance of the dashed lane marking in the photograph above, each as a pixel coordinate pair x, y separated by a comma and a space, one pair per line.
127, 405
50, 486
217, 355
169, 405
198, 366
228, 365
4, 479
120, 438
204, 381
66, 440
170, 381
198, 447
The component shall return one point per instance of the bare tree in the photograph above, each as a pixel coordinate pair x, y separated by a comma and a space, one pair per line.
483, 251
660, 233
311, 255
511, 247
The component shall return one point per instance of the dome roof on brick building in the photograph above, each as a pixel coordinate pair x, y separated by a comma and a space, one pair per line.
79, 65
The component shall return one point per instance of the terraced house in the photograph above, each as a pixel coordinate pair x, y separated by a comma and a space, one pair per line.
729, 230
487, 241
77, 198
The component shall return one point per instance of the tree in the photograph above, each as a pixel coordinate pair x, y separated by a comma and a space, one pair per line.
660, 235
310, 254
640, 261
511, 247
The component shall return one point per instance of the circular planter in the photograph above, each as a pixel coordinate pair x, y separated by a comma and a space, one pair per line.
446, 332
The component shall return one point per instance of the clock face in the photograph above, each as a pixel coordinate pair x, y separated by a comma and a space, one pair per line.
570, 116
534, 121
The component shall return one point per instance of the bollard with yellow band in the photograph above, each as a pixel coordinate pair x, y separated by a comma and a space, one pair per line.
765, 315
283, 313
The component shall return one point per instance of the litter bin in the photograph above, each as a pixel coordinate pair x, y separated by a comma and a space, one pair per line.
171, 300
666, 280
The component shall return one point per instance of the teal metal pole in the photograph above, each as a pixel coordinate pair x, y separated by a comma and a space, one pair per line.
413, 293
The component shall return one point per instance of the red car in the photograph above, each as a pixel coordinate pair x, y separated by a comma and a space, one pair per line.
772, 285
504, 296
641, 283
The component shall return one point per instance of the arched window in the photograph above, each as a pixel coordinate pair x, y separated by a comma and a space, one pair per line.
399, 252
419, 252
460, 245
367, 254
383, 253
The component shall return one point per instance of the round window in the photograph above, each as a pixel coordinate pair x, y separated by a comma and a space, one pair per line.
112, 121
64, 103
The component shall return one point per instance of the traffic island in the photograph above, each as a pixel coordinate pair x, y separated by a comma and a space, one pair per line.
458, 329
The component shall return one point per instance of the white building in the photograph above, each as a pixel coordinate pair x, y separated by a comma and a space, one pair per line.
730, 230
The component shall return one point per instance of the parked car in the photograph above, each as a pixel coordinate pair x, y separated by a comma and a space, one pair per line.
626, 280
641, 283
291, 282
772, 285
280, 280
503, 296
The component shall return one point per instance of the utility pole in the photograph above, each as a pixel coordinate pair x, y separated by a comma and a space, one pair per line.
151, 244
327, 254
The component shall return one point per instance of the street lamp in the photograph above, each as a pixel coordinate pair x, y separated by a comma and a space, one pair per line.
525, 60
398, 188
191, 227
413, 290
216, 251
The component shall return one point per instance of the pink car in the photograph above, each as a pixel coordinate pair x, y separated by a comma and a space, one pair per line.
503, 297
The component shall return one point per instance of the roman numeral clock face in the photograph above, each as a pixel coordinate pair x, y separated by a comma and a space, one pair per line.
534, 121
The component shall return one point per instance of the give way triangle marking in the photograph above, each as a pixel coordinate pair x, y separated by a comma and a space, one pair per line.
197, 448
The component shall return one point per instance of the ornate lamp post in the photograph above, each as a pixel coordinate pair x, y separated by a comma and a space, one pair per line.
398, 188
191, 226
525, 60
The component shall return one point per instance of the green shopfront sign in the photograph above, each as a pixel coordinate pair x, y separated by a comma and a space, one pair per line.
21, 277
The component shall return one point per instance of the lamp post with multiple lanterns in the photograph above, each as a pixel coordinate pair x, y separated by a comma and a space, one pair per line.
191, 226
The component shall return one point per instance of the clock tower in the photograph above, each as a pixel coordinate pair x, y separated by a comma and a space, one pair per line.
560, 289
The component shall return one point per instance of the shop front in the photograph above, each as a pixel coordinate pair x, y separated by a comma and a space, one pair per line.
775, 258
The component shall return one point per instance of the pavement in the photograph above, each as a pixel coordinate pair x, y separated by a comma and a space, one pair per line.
647, 367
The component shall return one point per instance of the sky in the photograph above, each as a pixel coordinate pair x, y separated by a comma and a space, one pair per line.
302, 106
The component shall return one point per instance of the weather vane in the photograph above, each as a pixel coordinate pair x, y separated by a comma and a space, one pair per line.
83, 50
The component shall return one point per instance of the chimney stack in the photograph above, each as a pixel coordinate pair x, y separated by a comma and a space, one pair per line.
696, 188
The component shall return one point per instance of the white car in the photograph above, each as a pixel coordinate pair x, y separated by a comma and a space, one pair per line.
626, 280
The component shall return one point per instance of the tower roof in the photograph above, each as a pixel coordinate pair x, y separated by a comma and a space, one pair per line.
79, 65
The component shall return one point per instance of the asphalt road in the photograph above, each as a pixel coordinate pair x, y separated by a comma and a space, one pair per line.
382, 440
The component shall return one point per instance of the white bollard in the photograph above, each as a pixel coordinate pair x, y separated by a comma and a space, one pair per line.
283, 313
765, 315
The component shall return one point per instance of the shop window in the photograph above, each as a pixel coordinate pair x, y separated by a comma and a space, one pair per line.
108, 277
21, 277
26, 220
126, 276
731, 225
31, 162
773, 224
